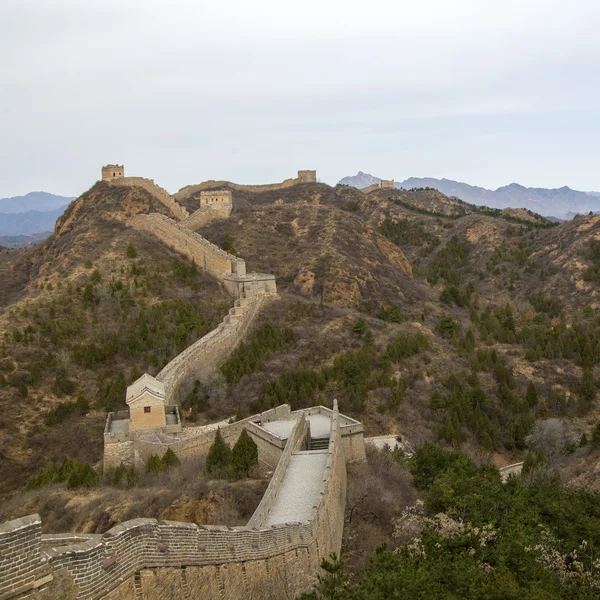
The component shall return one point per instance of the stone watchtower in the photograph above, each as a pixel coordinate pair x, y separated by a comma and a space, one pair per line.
113, 172
216, 199
307, 176
387, 183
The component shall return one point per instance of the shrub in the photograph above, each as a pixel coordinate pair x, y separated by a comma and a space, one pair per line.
75, 473
131, 251
391, 314
595, 440
360, 326
447, 326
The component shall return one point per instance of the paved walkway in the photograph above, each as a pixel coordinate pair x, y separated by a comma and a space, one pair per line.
300, 488
320, 427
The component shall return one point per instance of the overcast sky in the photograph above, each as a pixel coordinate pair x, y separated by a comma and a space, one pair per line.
483, 91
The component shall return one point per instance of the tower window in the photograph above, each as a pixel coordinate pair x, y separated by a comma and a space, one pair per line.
147, 409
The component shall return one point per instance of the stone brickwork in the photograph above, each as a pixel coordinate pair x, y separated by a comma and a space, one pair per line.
305, 176
144, 558
205, 215
177, 211
384, 185
216, 198
207, 256
110, 172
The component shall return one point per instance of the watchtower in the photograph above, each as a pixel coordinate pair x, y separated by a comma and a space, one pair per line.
387, 183
216, 198
113, 172
307, 176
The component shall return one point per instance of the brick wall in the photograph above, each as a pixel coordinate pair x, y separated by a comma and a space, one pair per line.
163, 560
188, 190
207, 256
178, 211
205, 215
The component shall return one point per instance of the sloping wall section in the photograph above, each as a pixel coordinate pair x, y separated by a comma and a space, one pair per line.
168, 560
178, 211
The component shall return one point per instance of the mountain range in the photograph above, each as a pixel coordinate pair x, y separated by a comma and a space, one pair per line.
563, 203
34, 213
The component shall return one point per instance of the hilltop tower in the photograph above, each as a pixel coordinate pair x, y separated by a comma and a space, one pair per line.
113, 172
387, 183
307, 176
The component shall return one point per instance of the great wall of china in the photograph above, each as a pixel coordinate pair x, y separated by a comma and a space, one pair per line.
299, 520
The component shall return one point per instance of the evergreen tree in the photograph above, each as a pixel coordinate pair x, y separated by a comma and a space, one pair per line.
153, 464
169, 459
219, 455
244, 455
360, 326
596, 437
531, 395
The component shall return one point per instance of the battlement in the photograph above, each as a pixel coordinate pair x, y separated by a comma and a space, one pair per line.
110, 172
159, 559
304, 176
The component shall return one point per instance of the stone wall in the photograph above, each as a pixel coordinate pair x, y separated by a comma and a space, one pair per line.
307, 176
178, 211
216, 198
385, 184
303, 177
204, 358
207, 256
300, 432
144, 558
205, 215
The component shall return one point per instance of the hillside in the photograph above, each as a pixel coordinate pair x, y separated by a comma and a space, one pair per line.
421, 314
563, 202
72, 314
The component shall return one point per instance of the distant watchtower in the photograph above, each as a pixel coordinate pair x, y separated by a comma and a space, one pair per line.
307, 176
216, 198
387, 183
113, 172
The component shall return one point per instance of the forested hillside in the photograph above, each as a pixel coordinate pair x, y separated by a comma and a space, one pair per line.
472, 333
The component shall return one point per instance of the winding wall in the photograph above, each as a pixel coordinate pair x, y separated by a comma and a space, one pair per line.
166, 560
178, 211
206, 255
188, 190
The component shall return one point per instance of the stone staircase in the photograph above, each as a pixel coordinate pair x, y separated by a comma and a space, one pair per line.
319, 443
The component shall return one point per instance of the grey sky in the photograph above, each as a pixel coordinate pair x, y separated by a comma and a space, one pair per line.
486, 92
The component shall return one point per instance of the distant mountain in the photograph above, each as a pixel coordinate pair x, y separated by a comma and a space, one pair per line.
18, 241
38, 201
32, 221
562, 203
360, 180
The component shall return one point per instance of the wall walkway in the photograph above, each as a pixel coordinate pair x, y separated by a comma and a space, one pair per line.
168, 560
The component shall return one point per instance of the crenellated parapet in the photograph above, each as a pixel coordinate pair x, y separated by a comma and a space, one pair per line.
304, 176
145, 557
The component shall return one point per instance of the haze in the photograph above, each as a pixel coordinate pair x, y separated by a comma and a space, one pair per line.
184, 91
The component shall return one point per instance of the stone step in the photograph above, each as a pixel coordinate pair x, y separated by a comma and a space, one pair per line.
319, 443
